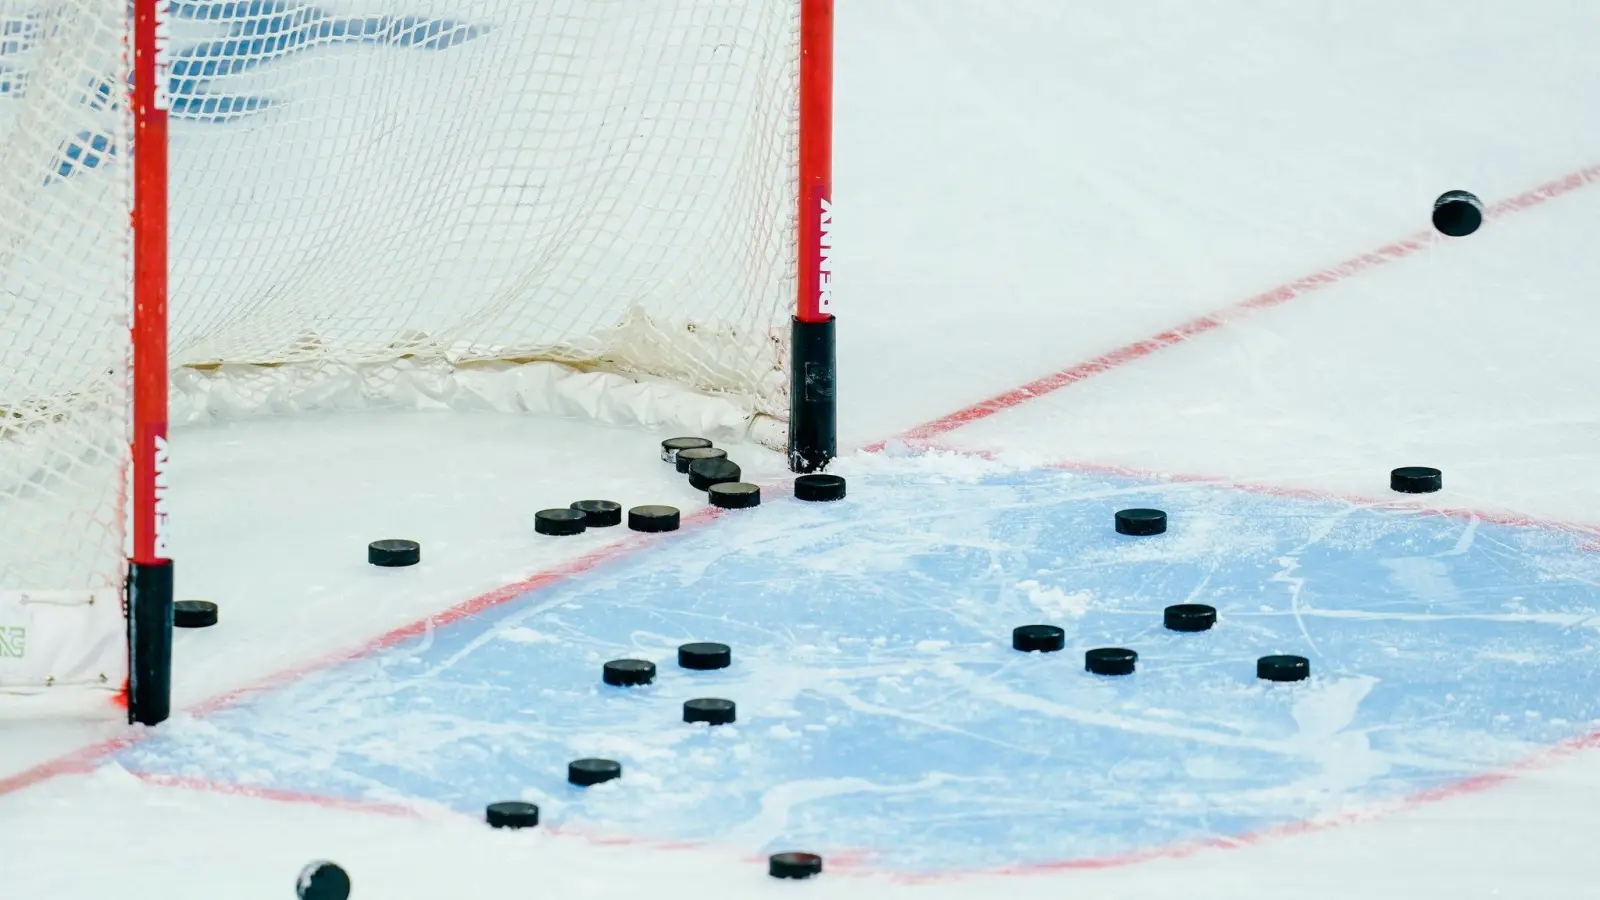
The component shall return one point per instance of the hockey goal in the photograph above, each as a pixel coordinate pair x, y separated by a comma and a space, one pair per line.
617, 208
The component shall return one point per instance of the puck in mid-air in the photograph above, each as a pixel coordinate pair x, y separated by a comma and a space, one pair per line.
512, 814
590, 772
599, 513
194, 614
1038, 638
1416, 480
1141, 522
322, 880
704, 656
560, 521
628, 672
734, 495
1189, 617
709, 710
819, 487
1110, 661
1457, 213
703, 473
671, 447
394, 553
653, 518
687, 458
794, 865
1283, 668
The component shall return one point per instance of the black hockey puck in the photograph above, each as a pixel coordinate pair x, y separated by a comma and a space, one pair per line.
194, 614
1038, 638
1110, 661
560, 521
705, 656
590, 772
653, 518
1457, 213
1141, 522
394, 553
1283, 668
686, 458
703, 473
599, 513
709, 710
794, 865
1416, 480
819, 488
672, 446
734, 495
322, 880
1189, 617
512, 814
628, 672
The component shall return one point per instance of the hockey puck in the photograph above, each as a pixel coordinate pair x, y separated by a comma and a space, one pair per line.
1110, 661
687, 458
599, 513
1038, 638
1141, 522
322, 880
1189, 617
628, 672
705, 656
1457, 213
709, 710
194, 614
1283, 668
560, 521
653, 518
590, 772
394, 553
1416, 480
512, 814
819, 488
734, 495
703, 473
794, 865
671, 447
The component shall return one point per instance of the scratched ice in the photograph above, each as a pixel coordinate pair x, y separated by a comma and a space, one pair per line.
881, 709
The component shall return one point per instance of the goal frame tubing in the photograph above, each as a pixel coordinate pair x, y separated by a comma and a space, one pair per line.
813, 411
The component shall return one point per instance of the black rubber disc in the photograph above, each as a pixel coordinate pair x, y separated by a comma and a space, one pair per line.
672, 446
560, 521
394, 553
734, 495
1110, 661
794, 865
1416, 480
628, 672
1457, 213
323, 880
710, 710
1283, 668
599, 513
703, 473
194, 614
1038, 638
819, 488
686, 458
653, 518
1189, 617
705, 656
512, 814
590, 772
1141, 522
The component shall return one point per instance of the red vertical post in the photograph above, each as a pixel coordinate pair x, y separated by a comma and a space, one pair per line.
150, 569
813, 412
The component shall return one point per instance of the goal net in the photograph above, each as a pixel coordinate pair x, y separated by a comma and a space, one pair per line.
578, 206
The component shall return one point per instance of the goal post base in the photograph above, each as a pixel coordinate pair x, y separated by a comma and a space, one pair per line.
813, 409
150, 642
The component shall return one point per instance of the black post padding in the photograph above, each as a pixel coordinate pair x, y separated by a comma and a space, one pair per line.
150, 642
813, 407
